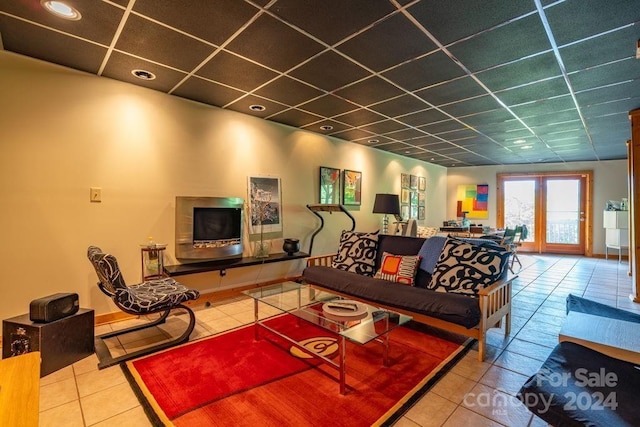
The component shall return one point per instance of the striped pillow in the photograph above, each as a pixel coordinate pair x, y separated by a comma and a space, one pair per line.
398, 268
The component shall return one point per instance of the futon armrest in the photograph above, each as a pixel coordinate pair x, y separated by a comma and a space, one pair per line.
321, 260
495, 286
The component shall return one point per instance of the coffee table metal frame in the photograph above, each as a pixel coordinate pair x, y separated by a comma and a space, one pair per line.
302, 301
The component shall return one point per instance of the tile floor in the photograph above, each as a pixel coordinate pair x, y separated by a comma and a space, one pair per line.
472, 393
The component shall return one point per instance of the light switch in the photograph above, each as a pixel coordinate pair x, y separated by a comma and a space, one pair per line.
95, 195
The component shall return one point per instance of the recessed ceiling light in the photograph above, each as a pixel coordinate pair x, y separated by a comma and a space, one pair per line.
431, 159
373, 141
526, 147
326, 127
143, 74
519, 141
61, 9
257, 107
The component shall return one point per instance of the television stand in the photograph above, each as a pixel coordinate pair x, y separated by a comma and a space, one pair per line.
228, 263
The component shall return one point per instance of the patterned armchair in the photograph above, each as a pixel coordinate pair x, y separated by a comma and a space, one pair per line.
159, 296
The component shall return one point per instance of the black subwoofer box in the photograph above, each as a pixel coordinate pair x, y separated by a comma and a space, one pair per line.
53, 307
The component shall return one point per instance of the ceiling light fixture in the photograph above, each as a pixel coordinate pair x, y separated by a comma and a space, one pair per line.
526, 147
143, 74
61, 10
326, 127
257, 107
519, 141
373, 141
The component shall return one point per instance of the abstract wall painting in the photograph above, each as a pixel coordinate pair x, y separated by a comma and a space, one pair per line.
473, 199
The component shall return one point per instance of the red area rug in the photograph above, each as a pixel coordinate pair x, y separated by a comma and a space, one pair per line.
232, 379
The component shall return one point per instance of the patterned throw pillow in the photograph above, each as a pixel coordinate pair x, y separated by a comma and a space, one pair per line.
465, 268
357, 252
398, 268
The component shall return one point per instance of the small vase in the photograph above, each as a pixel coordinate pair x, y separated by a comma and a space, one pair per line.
261, 249
291, 246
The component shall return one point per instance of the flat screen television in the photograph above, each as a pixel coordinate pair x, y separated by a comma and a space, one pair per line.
214, 224
209, 228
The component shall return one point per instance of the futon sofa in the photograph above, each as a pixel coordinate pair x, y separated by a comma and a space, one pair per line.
469, 314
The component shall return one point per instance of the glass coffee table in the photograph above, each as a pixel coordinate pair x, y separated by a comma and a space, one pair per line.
356, 322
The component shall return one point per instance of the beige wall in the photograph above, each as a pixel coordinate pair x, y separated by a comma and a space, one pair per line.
609, 183
63, 132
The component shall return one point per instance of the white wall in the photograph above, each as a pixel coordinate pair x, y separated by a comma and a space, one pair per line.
63, 131
609, 183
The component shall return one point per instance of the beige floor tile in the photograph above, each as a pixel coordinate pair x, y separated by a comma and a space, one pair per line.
59, 375
108, 403
453, 387
405, 422
210, 313
503, 380
132, 418
97, 381
226, 324
103, 329
67, 415
85, 365
58, 393
496, 405
244, 317
519, 363
464, 417
470, 367
142, 334
431, 411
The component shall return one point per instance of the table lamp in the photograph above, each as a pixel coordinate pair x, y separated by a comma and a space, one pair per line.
387, 204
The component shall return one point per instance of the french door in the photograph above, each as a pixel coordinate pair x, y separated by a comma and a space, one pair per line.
555, 207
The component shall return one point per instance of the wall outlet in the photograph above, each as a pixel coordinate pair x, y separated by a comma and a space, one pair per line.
95, 194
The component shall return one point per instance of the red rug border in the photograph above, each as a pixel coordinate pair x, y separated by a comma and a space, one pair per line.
158, 419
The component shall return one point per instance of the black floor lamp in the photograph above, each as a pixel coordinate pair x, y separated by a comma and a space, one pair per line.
387, 204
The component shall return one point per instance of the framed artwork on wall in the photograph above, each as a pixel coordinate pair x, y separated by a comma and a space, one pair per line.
404, 212
413, 182
404, 196
422, 183
329, 185
265, 213
404, 180
351, 187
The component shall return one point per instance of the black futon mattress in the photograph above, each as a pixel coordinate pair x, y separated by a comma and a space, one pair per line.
455, 308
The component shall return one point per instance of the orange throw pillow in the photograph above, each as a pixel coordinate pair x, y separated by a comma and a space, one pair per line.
398, 268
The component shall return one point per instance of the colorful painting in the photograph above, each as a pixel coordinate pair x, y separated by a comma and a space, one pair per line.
351, 187
473, 199
329, 185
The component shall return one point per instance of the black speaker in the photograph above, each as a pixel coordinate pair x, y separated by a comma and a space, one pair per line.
53, 307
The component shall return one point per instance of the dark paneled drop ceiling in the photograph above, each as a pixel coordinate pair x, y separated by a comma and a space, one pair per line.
452, 82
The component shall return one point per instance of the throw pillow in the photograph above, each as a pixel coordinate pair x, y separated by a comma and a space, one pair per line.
398, 268
357, 252
465, 268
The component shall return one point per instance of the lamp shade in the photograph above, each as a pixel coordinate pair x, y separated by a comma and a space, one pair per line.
387, 204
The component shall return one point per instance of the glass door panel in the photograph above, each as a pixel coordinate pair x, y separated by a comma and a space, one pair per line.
563, 218
563, 215
520, 207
